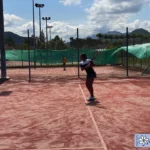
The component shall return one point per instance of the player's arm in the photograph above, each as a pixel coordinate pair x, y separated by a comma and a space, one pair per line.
90, 65
82, 67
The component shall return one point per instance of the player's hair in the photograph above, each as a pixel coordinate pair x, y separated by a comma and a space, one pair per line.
84, 56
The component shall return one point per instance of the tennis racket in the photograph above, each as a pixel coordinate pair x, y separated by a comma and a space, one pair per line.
95, 55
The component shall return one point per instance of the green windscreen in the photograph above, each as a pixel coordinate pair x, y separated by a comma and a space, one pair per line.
140, 51
55, 56
110, 56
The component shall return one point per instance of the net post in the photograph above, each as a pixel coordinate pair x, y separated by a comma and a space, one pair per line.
127, 56
122, 58
29, 57
51, 57
78, 52
72, 59
2, 45
22, 57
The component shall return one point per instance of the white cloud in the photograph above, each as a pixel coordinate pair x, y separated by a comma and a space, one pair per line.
22, 29
114, 14
70, 2
64, 30
10, 20
102, 15
139, 24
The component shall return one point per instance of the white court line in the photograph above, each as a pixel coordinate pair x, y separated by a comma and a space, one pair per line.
98, 132
80, 148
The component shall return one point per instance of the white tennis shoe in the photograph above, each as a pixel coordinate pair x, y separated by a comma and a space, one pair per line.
91, 98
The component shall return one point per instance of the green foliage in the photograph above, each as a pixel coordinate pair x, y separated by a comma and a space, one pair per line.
138, 36
42, 37
43, 45
23, 46
9, 41
99, 35
84, 43
110, 46
57, 43
30, 41
111, 37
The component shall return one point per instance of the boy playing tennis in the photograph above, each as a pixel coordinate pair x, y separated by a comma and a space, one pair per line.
87, 65
64, 60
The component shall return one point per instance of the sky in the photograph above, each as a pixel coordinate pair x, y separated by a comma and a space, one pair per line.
90, 16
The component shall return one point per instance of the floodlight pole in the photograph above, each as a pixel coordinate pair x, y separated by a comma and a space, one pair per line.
39, 6
46, 35
29, 59
127, 69
46, 18
34, 43
78, 52
40, 22
2, 44
51, 33
50, 27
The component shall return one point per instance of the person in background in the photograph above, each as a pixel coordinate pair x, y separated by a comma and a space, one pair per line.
64, 60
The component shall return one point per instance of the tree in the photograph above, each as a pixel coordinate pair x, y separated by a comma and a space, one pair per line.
71, 41
146, 38
122, 37
57, 38
110, 36
116, 37
30, 42
24, 46
99, 35
42, 37
106, 37
89, 42
141, 38
133, 36
60, 45
57, 43
9, 41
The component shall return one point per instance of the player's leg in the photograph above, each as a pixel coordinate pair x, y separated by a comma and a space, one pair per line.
64, 66
89, 85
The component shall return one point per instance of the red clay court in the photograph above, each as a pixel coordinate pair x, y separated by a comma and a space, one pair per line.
49, 113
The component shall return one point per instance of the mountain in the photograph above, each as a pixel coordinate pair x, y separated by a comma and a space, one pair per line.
93, 37
141, 31
136, 31
108, 33
67, 44
113, 33
18, 39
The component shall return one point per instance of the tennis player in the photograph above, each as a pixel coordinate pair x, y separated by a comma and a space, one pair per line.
64, 60
87, 65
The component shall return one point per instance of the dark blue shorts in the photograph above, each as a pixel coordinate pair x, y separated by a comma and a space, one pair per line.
91, 75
